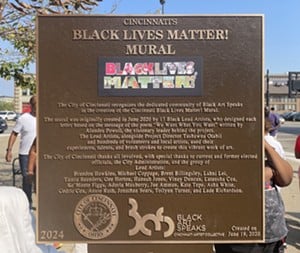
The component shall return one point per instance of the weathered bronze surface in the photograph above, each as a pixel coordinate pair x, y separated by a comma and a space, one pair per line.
150, 130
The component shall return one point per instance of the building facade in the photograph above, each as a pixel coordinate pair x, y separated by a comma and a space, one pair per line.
277, 94
21, 99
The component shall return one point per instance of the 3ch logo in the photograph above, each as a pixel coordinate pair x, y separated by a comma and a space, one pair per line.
140, 222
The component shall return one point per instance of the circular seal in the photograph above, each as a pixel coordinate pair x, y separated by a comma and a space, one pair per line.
96, 216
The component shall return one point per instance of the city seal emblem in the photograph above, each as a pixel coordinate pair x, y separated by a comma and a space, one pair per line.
96, 216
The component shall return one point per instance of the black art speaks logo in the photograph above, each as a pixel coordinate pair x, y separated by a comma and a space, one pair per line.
157, 219
96, 216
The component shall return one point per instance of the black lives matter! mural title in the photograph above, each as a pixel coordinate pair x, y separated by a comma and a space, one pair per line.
132, 36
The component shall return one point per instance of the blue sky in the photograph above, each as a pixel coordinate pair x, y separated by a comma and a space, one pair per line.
282, 36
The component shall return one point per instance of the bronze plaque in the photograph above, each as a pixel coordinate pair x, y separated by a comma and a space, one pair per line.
150, 129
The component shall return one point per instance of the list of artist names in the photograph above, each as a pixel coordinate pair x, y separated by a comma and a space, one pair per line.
153, 181
150, 148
